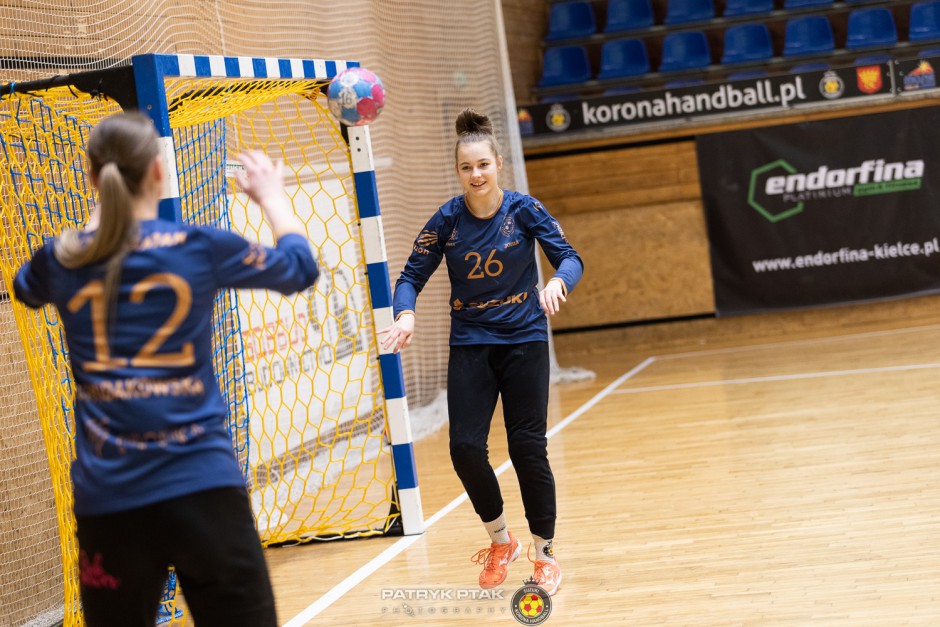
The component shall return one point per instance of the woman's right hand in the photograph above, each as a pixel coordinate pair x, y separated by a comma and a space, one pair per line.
399, 335
263, 180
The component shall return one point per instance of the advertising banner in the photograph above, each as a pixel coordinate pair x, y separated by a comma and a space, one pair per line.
824, 212
643, 107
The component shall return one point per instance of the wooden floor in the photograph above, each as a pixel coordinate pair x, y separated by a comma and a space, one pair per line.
793, 483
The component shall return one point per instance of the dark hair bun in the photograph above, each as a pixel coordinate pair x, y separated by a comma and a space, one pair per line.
469, 122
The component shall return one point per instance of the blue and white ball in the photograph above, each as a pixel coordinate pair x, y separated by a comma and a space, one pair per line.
356, 96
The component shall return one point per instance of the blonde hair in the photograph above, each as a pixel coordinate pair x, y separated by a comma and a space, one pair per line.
120, 151
475, 127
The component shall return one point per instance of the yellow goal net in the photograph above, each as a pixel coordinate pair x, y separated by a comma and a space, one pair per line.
307, 388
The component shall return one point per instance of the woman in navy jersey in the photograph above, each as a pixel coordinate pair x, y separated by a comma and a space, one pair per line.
155, 478
498, 339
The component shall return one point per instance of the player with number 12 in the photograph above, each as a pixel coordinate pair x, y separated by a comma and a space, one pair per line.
155, 478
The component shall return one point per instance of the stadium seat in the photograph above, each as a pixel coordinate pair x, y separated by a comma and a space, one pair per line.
571, 19
623, 57
809, 67
805, 4
684, 82
875, 59
750, 74
811, 34
871, 28
685, 11
558, 98
628, 15
933, 52
925, 21
620, 91
685, 51
565, 65
734, 8
747, 43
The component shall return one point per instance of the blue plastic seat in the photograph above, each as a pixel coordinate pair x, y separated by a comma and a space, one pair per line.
750, 74
747, 43
811, 34
623, 57
933, 52
565, 65
620, 91
805, 4
809, 67
685, 51
685, 11
684, 82
925, 21
571, 19
871, 28
628, 15
747, 7
875, 59
558, 98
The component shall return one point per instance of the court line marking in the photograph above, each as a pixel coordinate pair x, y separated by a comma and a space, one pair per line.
400, 545
812, 340
781, 377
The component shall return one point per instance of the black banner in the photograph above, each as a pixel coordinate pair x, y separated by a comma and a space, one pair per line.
775, 92
823, 212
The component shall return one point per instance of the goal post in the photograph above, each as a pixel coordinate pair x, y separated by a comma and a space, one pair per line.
317, 409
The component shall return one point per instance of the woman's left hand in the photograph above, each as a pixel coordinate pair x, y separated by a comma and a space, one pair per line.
550, 296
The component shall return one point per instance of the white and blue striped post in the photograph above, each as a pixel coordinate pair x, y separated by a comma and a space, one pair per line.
393, 381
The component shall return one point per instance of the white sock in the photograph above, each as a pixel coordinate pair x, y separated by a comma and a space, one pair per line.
544, 549
499, 534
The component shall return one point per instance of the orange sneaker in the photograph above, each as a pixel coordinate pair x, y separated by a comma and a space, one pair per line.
496, 560
547, 575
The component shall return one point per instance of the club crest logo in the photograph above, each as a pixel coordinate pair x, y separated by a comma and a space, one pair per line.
508, 227
831, 86
558, 118
869, 79
531, 604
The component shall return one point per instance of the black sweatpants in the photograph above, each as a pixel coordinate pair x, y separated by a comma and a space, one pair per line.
208, 536
518, 373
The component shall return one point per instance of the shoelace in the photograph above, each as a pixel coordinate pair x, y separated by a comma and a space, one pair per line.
528, 555
485, 557
540, 571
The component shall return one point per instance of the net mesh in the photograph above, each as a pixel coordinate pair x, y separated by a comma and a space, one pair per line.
432, 66
302, 367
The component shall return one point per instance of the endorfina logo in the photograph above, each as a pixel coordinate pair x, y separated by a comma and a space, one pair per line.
778, 190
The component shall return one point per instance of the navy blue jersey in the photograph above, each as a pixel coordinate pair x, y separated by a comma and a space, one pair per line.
491, 265
149, 414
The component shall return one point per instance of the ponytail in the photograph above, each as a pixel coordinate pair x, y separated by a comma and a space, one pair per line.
120, 152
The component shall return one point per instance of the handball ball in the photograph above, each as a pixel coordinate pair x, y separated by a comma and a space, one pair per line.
356, 96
